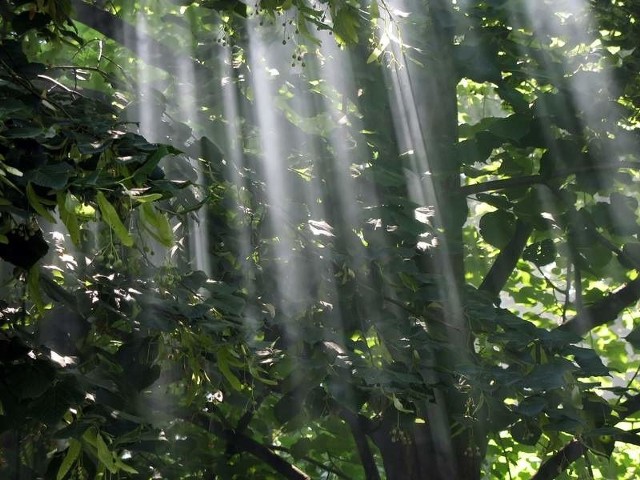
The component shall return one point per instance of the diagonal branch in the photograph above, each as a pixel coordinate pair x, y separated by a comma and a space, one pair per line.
557, 464
605, 310
244, 443
506, 260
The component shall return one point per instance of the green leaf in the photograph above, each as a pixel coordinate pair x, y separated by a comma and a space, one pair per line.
120, 465
104, 454
540, 253
526, 433
54, 176
73, 452
36, 202
141, 174
548, 376
398, 405
68, 215
23, 132
33, 287
301, 448
152, 197
12, 170
497, 228
110, 216
223, 365
513, 127
589, 361
346, 25
531, 406
157, 224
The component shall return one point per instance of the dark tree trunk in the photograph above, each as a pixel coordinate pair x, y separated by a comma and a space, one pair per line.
431, 450
422, 454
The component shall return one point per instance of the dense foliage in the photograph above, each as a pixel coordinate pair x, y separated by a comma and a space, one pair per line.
332, 239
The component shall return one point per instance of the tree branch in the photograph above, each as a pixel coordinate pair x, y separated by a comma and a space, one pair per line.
506, 260
629, 407
528, 180
605, 310
358, 427
627, 437
247, 444
502, 184
553, 467
313, 461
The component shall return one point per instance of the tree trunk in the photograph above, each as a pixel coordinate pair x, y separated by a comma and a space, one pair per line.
421, 454
431, 450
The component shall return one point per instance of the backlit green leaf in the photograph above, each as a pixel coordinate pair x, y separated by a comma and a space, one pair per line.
112, 219
73, 452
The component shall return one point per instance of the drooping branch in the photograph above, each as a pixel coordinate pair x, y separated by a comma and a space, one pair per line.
557, 464
506, 260
605, 310
145, 47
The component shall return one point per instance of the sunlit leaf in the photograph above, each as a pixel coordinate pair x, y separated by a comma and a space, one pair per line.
104, 454
68, 216
222, 357
73, 452
112, 219
157, 224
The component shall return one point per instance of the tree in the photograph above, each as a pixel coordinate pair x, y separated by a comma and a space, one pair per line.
422, 239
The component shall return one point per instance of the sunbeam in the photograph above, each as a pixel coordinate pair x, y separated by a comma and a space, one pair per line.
326, 239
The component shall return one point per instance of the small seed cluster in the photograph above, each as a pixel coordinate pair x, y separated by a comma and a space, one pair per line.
400, 436
471, 451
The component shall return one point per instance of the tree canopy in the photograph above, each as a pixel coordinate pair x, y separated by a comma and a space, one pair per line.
333, 239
